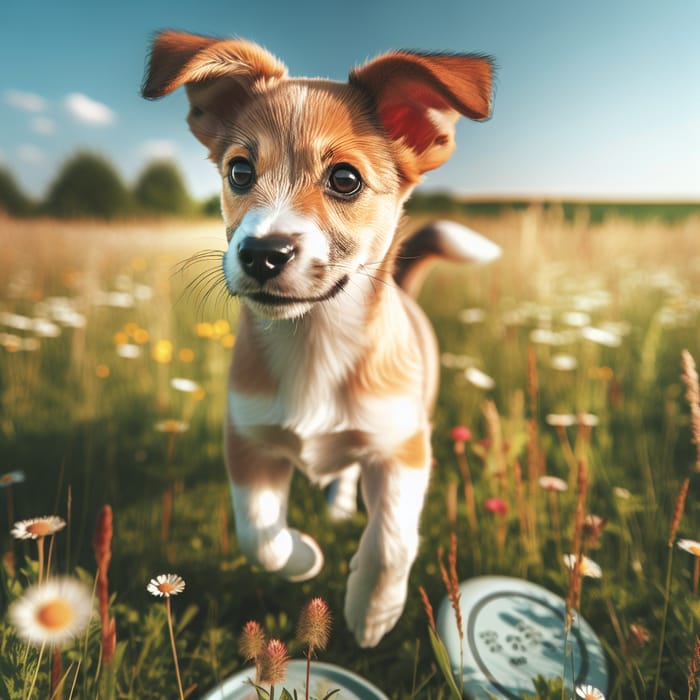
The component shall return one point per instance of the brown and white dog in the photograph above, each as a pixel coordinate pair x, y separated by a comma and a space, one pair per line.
335, 367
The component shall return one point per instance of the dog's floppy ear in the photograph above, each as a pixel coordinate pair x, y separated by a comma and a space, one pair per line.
419, 97
219, 75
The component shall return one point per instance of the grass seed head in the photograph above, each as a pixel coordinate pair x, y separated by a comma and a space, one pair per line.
102, 539
694, 665
252, 641
678, 512
428, 608
273, 662
314, 626
692, 395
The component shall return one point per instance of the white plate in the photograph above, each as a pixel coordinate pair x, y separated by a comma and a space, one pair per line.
324, 678
513, 632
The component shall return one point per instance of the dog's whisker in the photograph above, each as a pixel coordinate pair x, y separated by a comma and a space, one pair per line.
198, 258
208, 282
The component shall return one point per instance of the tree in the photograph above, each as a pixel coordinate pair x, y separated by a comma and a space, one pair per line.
161, 190
12, 200
211, 206
88, 186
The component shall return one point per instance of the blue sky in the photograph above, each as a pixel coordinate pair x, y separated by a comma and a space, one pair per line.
596, 98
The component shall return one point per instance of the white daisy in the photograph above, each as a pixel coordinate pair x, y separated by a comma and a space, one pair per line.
129, 351
45, 328
166, 585
34, 528
16, 321
587, 419
72, 319
52, 613
472, 315
588, 566
546, 336
10, 342
578, 319
563, 362
552, 483
171, 425
479, 379
621, 492
690, 546
589, 692
452, 361
187, 386
601, 336
15, 477
560, 420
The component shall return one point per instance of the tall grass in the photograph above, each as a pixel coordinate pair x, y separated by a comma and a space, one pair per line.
91, 423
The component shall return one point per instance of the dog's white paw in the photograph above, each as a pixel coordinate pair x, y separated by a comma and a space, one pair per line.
306, 559
374, 602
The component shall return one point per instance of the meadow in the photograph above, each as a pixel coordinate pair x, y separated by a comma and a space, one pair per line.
562, 359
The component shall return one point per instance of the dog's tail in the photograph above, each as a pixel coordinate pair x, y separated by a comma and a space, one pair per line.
445, 240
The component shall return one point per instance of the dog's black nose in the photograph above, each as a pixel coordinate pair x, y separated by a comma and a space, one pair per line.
264, 258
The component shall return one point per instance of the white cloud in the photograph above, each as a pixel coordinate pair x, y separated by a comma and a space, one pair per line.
43, 125
158, 149
30, 154
88, 111
26, 101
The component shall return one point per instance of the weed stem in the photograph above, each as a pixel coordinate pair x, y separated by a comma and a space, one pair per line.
172, 644
662, 635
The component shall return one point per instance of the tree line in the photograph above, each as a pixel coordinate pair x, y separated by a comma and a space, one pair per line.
88, 186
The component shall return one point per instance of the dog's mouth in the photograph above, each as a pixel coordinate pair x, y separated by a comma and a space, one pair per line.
268, 299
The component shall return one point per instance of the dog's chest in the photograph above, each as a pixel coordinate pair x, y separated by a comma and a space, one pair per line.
310, 365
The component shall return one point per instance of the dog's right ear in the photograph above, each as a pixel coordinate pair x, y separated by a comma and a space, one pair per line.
218, 74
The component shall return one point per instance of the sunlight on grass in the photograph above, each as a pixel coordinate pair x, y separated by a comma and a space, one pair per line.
113, 362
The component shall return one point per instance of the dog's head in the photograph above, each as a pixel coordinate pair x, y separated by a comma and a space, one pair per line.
314, 172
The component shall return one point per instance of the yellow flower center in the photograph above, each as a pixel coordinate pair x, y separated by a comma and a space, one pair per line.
40, 528
55, 615
694, 549
166, 587
6, 479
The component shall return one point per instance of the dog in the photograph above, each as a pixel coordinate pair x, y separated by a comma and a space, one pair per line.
335, 367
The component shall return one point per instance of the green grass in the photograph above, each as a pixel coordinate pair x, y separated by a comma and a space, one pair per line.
80, 421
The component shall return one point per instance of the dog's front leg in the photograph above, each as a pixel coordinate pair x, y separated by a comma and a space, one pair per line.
260, 489
393, 493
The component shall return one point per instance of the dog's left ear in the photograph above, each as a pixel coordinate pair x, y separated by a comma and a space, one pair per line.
419, 97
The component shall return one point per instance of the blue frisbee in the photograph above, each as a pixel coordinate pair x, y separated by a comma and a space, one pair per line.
514, 631
324, 679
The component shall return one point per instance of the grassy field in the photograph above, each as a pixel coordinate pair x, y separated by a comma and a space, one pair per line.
576, 318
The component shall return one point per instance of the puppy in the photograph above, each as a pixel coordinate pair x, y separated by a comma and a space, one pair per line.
335, 367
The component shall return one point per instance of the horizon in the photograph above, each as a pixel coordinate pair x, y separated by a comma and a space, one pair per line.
590, 103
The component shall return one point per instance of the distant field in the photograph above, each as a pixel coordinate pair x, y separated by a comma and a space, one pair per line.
593, 212
584, 314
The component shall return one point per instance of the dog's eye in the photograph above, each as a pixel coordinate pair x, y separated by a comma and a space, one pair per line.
240, 174
345, 180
